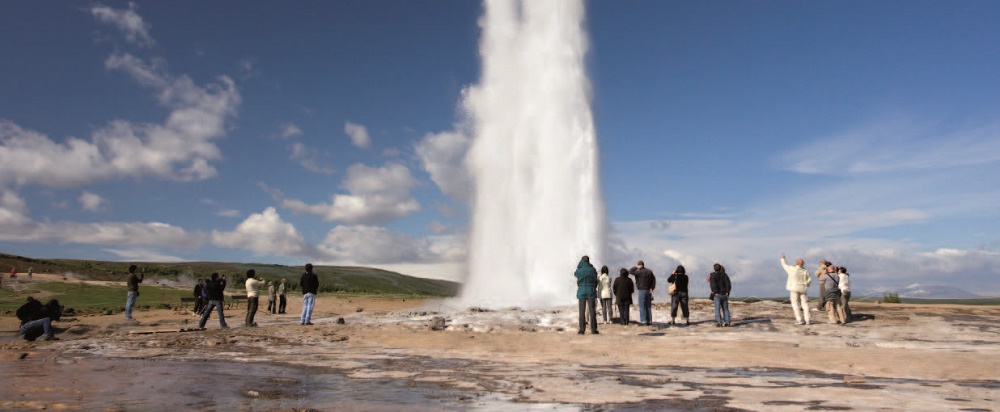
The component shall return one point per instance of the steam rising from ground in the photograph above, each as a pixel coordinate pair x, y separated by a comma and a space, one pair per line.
538, 204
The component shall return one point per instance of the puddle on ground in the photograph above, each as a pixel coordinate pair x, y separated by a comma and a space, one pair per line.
86, 383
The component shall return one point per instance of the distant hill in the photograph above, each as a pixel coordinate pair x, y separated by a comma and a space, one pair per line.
925, 292
350, 279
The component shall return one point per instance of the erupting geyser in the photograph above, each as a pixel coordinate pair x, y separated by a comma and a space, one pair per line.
538, 204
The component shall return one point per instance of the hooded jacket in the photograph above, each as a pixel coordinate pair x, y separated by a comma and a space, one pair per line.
215, 289
309, 283
798, 277
681, 280
586, 280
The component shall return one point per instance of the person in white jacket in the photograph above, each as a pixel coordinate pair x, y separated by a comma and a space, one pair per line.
845, 292
797, 284
604, 294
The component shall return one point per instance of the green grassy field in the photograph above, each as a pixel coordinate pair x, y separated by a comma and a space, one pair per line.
345, 280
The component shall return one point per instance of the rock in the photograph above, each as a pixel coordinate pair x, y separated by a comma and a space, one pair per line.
438, 323
23, 355
341, 321
359, 309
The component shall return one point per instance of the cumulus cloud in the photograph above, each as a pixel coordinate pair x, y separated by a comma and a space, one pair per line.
130, 23
179, 149
371, 244
376, 195
374, 245
264, 233
358, 134
93, 202
443, 156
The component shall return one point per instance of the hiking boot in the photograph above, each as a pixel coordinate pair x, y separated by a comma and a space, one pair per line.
51, 337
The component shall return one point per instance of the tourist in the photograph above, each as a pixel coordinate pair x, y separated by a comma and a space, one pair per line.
623, 289
604, 293
281, 295
199, 302
214, 288
586, 294
719, 283
132, 282
680, 297
204, 297
844, 282
272, 304
36, 319
831, 284
13, 272
309, 283
30, 271
645, 282
820, 270
797, 285
253, 297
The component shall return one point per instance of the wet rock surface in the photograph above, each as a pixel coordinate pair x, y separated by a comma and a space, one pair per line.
894, 357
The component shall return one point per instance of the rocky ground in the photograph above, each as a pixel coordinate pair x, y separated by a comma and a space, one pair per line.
380, 354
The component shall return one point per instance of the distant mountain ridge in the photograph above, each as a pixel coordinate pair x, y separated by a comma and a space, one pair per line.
350, 279
924, 292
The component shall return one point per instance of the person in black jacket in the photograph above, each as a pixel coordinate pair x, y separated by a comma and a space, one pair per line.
680, 296
214, 288
623, 289
199, 303
719, 282
645, 282
36, 319
310, 287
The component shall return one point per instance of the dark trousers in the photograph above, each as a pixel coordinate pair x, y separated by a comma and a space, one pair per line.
282, 302
821, 302
623, 312
679, 299
845, 299
588, 311
606, 309
252, 303
199, 304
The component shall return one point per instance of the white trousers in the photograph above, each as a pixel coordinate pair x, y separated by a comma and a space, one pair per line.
800, 303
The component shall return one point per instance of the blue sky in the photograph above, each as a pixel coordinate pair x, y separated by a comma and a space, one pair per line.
862, 132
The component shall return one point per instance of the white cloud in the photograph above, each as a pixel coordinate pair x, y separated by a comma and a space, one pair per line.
229, 213
179, 149
264, 233
358, 134
309, 158
443, 155
289, 130
370, 244
895, 144
130, 23
93, 202
377, 195
143, 255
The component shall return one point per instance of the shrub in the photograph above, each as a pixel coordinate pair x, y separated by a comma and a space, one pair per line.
889, 297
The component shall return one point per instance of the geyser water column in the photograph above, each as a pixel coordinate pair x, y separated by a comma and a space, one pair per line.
538, 205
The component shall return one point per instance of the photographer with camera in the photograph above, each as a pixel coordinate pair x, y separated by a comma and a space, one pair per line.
215, 288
